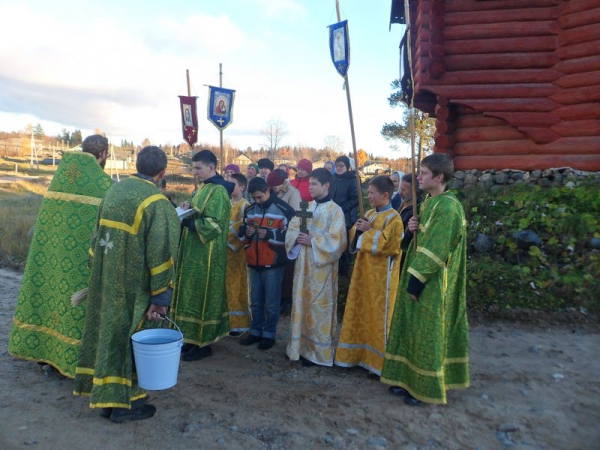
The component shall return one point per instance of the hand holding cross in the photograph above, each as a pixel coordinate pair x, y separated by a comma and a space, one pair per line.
304, 214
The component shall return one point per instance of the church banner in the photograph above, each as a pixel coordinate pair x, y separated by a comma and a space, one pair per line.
189, 119
339, 46
220, 106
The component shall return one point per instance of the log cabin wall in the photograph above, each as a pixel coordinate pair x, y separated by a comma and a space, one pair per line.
512, 83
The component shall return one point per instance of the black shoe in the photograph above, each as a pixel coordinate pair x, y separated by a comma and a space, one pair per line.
186, 348
105, 412
198, 353
399, 391
266, 343
250, 339
235, 333
120, 415
306, 362
373, 376
410, 400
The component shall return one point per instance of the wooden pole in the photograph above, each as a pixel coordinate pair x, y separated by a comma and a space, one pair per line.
220, 130
361, 208
189, 90
412, 119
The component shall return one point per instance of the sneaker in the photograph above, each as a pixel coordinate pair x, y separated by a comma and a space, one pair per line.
250, 339
235, 333
266, 343
198, 353
120, 415
306, 362
105, 412
410, 400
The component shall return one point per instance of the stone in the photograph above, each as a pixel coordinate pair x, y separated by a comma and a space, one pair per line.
221, 441
459, 175
569, 185
508, 428
485, 177
352, 431
377, 441
558, 177
526, 176
473, 171
526, 239
493, 171
517, 175
435, 417
546, 173
544, 182
501, 178
233, 428
496, 188
455, 184
595, 243
504, 440
470, 179
513, 181
483, 243
536, 174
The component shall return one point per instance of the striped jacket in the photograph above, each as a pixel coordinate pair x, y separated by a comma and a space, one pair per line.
274, 215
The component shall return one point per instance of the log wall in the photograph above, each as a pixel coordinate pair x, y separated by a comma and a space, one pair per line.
512, 84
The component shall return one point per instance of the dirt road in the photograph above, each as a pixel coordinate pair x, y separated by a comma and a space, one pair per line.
532, 388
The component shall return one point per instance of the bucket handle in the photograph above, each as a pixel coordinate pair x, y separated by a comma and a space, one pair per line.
165, 317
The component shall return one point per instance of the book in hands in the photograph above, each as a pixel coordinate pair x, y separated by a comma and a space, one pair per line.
184, 213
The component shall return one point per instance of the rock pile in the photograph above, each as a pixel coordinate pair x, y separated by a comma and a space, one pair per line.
495, 179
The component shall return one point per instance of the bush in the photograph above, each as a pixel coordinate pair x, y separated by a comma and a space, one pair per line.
563, 272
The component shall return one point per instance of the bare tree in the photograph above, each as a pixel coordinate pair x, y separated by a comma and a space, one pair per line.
273, 132
334, 143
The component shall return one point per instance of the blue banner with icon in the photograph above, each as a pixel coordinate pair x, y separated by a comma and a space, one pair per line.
339, 46
220, 106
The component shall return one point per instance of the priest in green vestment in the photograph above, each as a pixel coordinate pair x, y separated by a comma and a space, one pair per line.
200, 305
45, 326
133, 254
428, 345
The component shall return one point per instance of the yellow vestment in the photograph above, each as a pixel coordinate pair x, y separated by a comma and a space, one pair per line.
236, 277
372, 292
314, 298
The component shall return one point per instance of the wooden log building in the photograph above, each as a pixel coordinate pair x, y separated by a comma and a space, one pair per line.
511, 83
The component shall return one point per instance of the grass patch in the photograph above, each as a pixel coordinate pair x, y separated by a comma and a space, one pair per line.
19, 206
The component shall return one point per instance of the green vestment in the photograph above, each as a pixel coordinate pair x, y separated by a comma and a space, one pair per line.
200, 299
427, 350
46, 327
133, 252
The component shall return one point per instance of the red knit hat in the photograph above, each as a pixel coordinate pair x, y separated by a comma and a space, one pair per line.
305, 164
275, 178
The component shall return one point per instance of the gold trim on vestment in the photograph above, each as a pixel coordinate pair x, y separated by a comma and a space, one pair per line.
42, 329
431, 255
76, 198
91, 252
427, 373
159, 291
417, 275
134, 228
164, 266
225, 315
111, 380
84, 371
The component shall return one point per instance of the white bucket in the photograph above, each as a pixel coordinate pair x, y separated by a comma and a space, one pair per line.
157, 352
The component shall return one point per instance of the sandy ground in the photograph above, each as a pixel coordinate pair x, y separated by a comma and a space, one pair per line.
532, 388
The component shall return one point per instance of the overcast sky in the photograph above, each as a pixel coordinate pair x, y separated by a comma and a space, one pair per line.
120, 65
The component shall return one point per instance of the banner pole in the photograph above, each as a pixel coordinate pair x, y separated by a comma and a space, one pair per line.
220, 130
361, 208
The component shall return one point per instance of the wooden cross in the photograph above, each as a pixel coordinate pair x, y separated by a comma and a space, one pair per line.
304, 214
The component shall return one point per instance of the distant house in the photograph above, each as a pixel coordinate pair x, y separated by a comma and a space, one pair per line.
375, 169
285, 160
242, 161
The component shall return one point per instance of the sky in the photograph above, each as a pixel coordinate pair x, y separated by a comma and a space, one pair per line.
120, 65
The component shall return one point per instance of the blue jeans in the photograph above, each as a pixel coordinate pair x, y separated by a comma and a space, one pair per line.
265, 301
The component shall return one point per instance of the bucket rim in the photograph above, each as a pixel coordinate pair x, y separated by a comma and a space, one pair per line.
138, 341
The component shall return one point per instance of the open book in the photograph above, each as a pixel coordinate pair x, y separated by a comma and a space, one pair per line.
183, 213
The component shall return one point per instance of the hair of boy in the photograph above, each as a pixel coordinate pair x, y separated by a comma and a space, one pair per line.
257, 184
439, 163
163, 183
94, 144
266, 163
383, 184
151, 161
322, 175
240, 179
206, 157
